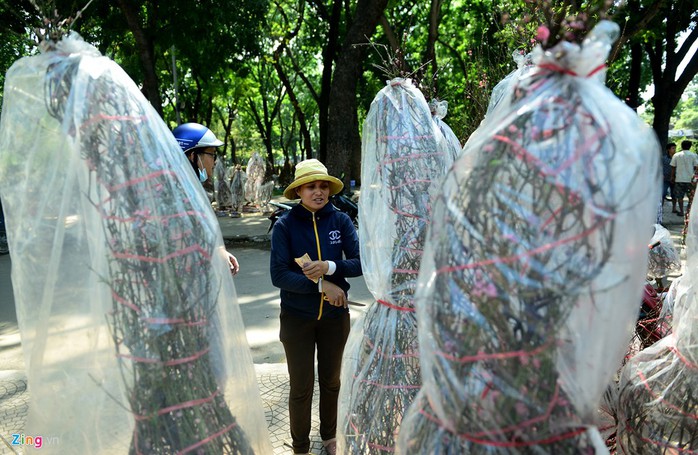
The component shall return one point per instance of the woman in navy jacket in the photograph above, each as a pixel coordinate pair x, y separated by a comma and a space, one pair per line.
314, 310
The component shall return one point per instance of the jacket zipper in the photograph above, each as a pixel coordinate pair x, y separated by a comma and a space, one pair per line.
319, 257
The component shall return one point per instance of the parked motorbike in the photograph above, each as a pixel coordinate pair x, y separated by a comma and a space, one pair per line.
341, 201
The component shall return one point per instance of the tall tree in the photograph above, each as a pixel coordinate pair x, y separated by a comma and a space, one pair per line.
666, 55
343, 139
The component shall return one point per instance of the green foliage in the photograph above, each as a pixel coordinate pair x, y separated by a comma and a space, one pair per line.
686, 113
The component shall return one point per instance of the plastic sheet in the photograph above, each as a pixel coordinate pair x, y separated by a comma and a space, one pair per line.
663, 255
657, 403
223, 194
237, 189
132, 336
533, 267
439, 109
504, 92
256, 169
404, 157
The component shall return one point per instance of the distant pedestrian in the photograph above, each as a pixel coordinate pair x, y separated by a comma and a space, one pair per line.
683, 167
314, 247
667, 185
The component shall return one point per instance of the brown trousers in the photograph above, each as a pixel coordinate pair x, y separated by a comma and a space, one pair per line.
300, 337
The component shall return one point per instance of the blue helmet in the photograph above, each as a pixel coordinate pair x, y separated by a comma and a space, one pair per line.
193, 135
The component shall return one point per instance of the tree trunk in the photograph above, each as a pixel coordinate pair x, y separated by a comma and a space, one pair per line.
146, 54
633, 95
328, 56
665, 61
343, 126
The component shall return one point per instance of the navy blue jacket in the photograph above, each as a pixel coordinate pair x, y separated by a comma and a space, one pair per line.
327, 234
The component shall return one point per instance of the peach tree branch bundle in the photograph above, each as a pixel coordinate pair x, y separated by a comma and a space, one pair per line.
404, 157
163, 262
656, 407
533, 266
224, 196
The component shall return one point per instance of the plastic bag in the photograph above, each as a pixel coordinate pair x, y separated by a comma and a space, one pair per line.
657, 403
237, 189
439, 108
404, 157
132, 335
256, 169
531, 277
504, 90
223, 195
663, 256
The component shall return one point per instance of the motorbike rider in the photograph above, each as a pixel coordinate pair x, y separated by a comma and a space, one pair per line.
199, 144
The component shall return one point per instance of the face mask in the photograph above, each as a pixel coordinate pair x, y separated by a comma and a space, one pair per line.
203, 175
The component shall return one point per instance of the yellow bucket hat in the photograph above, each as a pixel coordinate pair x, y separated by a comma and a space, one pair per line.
309, 171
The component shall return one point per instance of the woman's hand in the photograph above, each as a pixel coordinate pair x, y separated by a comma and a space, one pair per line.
234, 265
315, 269
334, 294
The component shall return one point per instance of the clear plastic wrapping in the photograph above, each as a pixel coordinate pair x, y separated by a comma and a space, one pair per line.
132, 336
237, 188
256, 169
664, 258
504, 90
404, 157
657, 403
533, 267
223, 194
439, 109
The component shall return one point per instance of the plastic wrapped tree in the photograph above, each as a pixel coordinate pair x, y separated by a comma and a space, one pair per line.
237, 190
256, 169
657, 389
503, 93
439, 109
533, 266
404, 156
133, 339
223, 193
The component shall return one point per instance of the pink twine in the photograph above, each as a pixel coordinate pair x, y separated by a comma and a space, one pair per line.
149, 217
138, 180
177, 253
413, 156
395, 307
516, 257
683, 359
480, 356
168, 363
408, 183
178, 321
124, 302
389, 386
643, 378
475, 437
380, 352
176, 407
559, 69
629, 429
370, 444
406, 136
207, 440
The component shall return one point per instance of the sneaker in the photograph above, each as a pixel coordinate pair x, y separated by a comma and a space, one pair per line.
330, 446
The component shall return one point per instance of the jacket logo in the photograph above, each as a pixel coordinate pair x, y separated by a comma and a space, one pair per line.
335, 237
